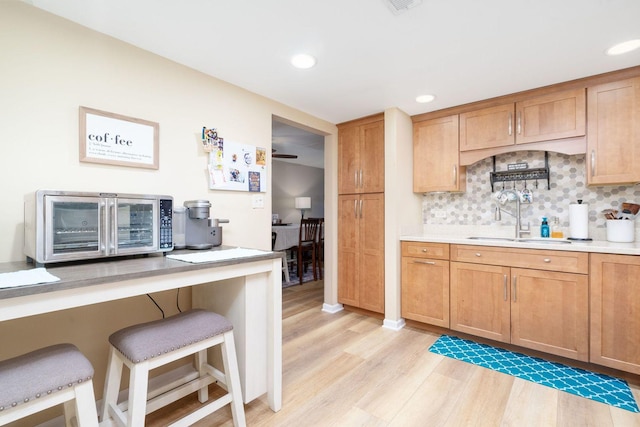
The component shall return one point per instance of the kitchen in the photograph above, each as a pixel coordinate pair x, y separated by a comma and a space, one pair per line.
88, 75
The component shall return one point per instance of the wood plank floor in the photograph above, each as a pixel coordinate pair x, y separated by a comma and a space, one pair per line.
344, 369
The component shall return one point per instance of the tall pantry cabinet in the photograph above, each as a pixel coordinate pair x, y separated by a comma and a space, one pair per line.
361, 213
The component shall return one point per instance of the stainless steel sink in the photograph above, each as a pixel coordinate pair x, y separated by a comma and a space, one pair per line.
507, 239
548, 241
511, 239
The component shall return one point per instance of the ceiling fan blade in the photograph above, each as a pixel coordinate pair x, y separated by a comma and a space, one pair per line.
283, 156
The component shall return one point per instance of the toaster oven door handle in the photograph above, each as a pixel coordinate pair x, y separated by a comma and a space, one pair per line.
113, 228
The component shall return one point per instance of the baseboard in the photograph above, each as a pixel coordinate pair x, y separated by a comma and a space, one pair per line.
332, 309
394, 325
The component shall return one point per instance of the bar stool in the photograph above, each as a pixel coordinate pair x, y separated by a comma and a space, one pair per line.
45, 378
149, 345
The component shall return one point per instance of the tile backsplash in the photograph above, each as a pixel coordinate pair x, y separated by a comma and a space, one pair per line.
567, 185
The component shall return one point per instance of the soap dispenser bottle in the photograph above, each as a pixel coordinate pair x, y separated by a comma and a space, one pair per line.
544, 227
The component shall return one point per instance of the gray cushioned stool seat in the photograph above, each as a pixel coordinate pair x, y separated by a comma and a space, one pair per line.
41, 372
151, 339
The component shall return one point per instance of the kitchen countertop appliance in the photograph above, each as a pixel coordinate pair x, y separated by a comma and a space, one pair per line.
202, 232
71, 226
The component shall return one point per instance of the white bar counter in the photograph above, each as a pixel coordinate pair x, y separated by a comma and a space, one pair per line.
252, 300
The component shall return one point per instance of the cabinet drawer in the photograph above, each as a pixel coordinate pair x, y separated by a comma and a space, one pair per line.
569, 262
425, 250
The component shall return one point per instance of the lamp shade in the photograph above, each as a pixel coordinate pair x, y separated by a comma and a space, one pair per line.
303, 202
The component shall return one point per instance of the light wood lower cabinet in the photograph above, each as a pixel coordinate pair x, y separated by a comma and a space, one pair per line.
615, 311
550, 312
361, 251
480, 300
533, 308
425, 283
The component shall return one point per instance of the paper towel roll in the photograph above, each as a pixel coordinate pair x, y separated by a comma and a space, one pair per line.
578, 221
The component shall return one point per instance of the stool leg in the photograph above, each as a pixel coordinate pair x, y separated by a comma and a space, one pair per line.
138, 384
201, 360
85, 405
232, 379
111, 385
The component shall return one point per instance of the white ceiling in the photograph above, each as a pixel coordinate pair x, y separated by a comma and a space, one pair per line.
368, 58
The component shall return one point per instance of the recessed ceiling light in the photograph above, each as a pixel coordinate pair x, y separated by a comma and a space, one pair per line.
624, 47
303, 61
423, 99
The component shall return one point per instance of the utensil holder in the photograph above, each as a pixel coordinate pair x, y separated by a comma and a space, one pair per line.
621, 230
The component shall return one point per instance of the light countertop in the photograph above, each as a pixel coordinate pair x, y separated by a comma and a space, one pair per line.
459, 234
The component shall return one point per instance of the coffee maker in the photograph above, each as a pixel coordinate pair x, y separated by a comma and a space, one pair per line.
201, 232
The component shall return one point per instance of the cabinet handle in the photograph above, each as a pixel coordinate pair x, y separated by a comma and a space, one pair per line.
515, 288
505, 287
361, 180
547, 260
593, 162
355, 209
510, 124
478, 254
519, 123
355, 179
424, 262
455, 174
361, 202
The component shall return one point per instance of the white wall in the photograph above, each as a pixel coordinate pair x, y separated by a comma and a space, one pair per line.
51, 66
291, 181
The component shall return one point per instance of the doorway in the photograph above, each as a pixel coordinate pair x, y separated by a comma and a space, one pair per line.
297, 172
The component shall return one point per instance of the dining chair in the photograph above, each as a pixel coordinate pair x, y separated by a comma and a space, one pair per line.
306, 249
320, 247
285, 259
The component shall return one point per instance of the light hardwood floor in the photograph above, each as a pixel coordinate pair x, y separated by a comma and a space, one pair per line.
344, 369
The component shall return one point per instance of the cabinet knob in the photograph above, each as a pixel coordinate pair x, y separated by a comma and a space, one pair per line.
424, 250
478, 254
547, 260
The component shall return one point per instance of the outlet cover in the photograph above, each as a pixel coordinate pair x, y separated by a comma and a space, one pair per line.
257, 201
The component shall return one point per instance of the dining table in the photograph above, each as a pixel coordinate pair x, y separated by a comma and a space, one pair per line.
287, 236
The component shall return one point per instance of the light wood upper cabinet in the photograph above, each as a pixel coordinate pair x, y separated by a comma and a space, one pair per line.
436, 165
554, 116
361, 156
543, 118
613, 140
615, 311
487, 128
361, 251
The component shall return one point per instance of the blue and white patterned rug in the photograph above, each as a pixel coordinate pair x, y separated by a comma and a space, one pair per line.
598, 387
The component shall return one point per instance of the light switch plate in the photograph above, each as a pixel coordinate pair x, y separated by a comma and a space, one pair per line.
257, 201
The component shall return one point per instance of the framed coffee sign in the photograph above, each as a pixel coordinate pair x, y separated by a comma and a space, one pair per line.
114, 139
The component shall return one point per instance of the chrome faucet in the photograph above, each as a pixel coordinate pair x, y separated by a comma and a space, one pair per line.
507, 195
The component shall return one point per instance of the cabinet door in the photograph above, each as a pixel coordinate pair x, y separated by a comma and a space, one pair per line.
348, 249
436, 165
372, 157
487, 128
613, 138
550, 312
615, 311
371, 276
554, 116
425, 290
480, 300
348, 159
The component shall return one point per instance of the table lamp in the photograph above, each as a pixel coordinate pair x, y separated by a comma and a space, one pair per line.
303, 203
